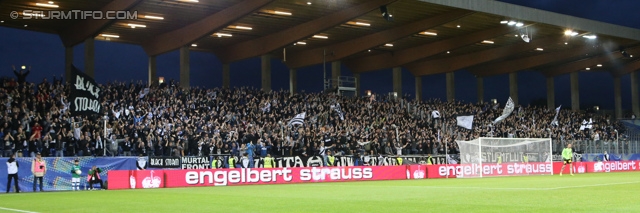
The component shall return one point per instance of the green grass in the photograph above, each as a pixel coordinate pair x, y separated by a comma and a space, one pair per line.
602, 192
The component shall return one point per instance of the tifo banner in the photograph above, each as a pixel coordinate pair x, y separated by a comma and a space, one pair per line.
85, 94
164, 162
195, 163
284, 162
58, 176
297, 161
229, 177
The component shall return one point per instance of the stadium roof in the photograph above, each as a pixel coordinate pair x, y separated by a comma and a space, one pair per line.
426, 36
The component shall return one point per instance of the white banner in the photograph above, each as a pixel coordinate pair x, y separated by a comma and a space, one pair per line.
465, 121
508, 109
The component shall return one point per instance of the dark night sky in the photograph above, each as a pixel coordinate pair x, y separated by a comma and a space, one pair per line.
116, 61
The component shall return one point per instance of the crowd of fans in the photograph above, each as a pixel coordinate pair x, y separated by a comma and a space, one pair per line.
167, 120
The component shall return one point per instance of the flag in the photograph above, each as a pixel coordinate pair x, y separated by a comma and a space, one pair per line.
508, 109
555, 119
85, 94
338, 110
586, 124
435, 114
267, 107
299, 119
465, 121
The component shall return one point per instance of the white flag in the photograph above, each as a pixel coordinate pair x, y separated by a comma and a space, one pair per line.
435, 114
590, 124
584, 125
299, 119
555, 119
508, 109
465, 121
338, 110
267, 107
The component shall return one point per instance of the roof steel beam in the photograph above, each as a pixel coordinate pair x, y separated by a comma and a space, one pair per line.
582, 64
518, 12
402, 57
628, 68
89, 28
271, 42
353, 46
515, 65
451, 64
190, 33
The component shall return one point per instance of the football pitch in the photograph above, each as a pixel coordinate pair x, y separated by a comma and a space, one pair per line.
601, 192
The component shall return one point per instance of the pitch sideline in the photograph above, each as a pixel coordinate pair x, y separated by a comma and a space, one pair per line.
16, 210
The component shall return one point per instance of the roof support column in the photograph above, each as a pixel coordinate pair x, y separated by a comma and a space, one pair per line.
513, 87
617, 97
293, 81
418, 88
575, 91
68, 62
480, 84
184, 67
335, 74
89, 59
635, 105
266, 73
357, 77
153, 71
551, 93
451, 86
226, 76
397, 80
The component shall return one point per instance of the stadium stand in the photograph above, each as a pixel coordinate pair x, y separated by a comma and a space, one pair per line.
169, 121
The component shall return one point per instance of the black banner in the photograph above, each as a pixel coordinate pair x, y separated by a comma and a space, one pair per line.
85, 94
195, 163
301, 161
164, 162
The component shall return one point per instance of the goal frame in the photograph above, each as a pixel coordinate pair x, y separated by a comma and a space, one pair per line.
480, 140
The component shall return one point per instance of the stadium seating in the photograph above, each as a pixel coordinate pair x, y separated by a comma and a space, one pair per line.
169, 121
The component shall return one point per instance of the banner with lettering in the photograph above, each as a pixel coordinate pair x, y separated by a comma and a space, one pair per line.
164, 162
85, 94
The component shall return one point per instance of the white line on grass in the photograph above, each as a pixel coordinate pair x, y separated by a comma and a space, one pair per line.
16, 210
593, 185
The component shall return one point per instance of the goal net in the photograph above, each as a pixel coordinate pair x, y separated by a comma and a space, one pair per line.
504, 157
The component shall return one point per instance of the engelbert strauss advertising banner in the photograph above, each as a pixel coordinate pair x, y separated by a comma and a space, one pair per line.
58, 176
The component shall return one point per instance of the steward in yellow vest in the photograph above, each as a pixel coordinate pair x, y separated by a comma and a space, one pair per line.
331, 160
269, 162
232, 162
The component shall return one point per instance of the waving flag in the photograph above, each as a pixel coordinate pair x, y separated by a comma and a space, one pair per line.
338, 110
299, 119
555, 119
508, 109
465, 121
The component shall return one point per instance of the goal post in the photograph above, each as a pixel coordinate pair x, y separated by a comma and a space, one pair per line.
504, 157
